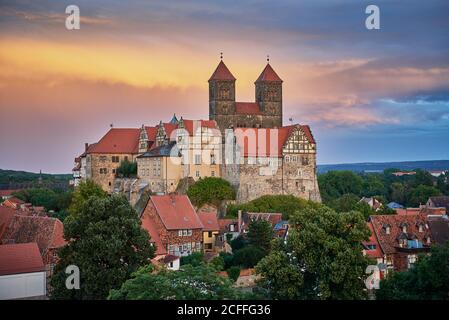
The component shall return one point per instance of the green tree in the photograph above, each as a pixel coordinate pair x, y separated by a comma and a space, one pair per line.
210, 190
260, 234
233, 273
398, 192
127, 169
218, 263
334, 184
373, 185
107, 244
322, 258
238, 243
285, 204
194, 259
82, 193
248, 256
345, 203
421, 194
427, 280
189, 283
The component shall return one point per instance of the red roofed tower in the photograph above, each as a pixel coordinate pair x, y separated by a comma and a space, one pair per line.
221, 94
269, 96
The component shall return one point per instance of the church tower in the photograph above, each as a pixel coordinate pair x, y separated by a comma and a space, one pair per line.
269, 97
222, 96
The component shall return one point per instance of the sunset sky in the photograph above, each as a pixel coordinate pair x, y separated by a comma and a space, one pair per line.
368, 95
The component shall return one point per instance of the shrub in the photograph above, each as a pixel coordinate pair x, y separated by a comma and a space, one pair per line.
234, 273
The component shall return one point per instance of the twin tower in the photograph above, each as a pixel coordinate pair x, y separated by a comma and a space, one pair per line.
266, 112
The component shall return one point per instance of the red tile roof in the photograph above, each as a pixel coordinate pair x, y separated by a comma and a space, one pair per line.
247, 108
46, 232
268, 74
225, 223
176, 212
7, 193
268, 141
209, 221
388, 242
117, 140
126, 140
222, 73
20, 258
149, 226
6, 216
377, 252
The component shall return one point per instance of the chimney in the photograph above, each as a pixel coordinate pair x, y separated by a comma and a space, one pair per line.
86, 145
239, 221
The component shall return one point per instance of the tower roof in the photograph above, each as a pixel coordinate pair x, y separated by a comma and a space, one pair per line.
222, 73
268, 74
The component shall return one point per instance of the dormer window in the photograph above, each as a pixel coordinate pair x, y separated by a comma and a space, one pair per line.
420, 228
428, 240
403, 227
387, 228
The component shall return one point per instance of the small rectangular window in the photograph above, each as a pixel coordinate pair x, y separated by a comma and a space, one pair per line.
180, 233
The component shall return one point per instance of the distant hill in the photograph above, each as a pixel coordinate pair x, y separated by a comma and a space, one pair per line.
11, 179
381, 166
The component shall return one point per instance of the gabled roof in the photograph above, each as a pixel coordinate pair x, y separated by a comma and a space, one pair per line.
6, 216
176, 212
117, 140
225, 223
388, 242
268, 74
268, 141
6, 193
222, 73
47, 232
20, 258
439, 228
149, 225
209, 221
126, 140
247, 108
441, 201
372, 253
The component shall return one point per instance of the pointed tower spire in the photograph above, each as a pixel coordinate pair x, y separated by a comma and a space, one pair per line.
268, 74
222, 72
174, 120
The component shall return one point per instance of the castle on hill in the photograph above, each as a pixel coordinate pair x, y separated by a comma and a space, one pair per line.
242, 142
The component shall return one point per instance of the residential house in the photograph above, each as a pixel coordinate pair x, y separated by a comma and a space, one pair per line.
173, 224
439, 229
210, 230
171, 262
6, 194
273, 218
228, 231
437, 173
400, 239
372, 202
422, 210
14, 203
438, 202
22, 272
403, 173
47, 232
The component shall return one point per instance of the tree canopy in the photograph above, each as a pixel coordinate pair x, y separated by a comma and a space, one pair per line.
210, 190
106, 243
127, 169
322, 258
285, 204
189, 283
